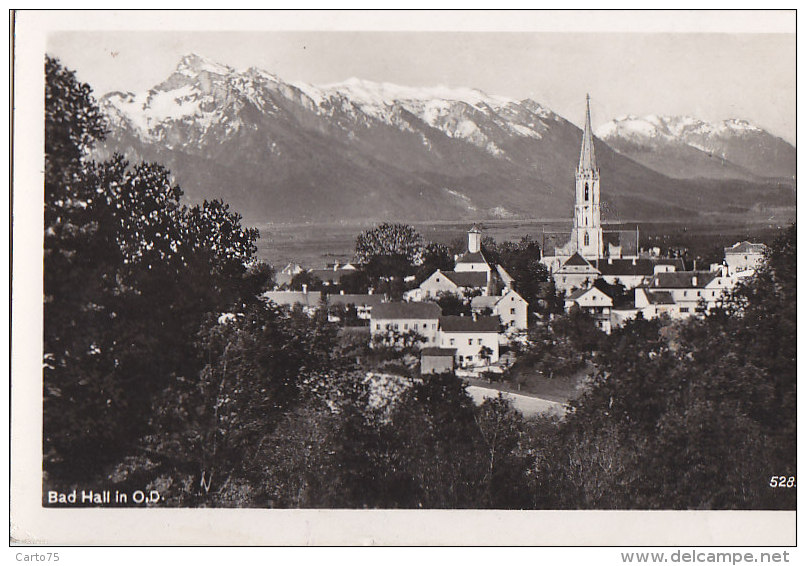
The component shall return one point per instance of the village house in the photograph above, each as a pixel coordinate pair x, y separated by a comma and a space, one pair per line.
595, 302
475, 339
690, 288
390, 321
459, 283
653, 304
511, 308
744, 256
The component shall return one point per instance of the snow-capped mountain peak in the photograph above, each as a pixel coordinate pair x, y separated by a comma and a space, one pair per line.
729, 147
193, 64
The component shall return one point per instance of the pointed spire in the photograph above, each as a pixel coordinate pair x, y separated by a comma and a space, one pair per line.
587, 157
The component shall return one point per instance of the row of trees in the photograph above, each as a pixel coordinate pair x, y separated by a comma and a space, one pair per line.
163, 370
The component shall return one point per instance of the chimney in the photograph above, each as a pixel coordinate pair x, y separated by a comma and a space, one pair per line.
475, 316
633, 261
305, 288
341, 292
694, 281
370, 290
609, 261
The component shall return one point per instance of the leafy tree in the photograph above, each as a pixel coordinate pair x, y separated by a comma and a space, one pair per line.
435, 256
453, 305
394, 240
130, 274
305, 280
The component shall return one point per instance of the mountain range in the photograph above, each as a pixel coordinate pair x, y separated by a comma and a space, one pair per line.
281, 151
687, 148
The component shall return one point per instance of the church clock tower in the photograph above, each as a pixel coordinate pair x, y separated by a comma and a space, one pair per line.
587, 233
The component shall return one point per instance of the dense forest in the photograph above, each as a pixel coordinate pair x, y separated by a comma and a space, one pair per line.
164, 371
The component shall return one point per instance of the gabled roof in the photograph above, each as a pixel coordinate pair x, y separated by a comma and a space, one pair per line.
578, 260
683, 279
440, 352
746, 248
576, 294
467, 324
476, 279
404, 310
579, 293
471, 257
611, 291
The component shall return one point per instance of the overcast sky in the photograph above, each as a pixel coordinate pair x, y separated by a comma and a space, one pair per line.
711, 76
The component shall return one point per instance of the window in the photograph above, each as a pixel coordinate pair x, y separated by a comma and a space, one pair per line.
469, 341
699, 294
511, 311
587, 239
452, 343
587, 196
378, 326
683, 309
405, 327
434, 326
416, 326
685, 293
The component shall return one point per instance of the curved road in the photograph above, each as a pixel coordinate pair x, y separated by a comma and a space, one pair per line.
525, 404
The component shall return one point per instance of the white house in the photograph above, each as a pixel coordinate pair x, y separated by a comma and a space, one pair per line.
475, 338
511, 308
391, 320
744, 256
454, 282
689, 288
595, 302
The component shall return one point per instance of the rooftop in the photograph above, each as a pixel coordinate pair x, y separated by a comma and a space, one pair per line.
468, 324
641, 266
471, 257
467, 278
683, 280
746, 248
404, 310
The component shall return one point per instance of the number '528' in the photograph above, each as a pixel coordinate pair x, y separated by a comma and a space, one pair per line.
782, 481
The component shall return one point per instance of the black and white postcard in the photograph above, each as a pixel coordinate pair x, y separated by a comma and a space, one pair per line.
398, 278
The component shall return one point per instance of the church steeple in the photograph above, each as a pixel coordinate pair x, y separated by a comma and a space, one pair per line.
587, 156
587, 236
